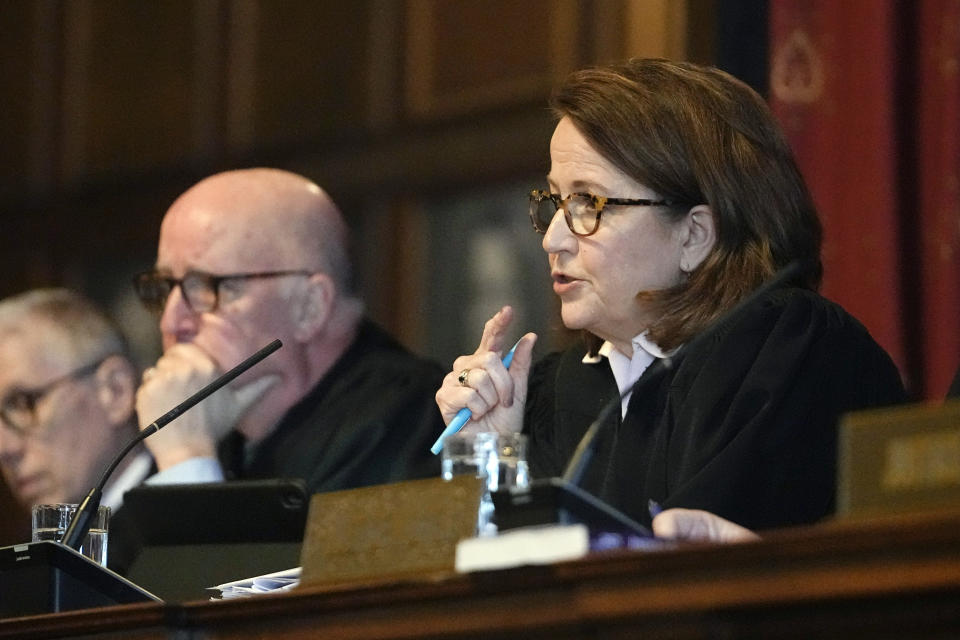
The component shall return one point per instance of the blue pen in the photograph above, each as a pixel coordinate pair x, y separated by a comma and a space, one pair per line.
464, 414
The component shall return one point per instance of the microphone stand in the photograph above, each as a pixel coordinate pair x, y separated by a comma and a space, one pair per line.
583, 454
82, 519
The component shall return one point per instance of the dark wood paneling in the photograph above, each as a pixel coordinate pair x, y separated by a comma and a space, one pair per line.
485, 43
465, 57
380, 101
311, 71
16, 90
131, 106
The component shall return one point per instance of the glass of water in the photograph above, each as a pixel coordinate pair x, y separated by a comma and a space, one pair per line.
500, 458
50, 522
507, 463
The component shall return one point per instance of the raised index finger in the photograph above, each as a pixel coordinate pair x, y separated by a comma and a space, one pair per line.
495, 331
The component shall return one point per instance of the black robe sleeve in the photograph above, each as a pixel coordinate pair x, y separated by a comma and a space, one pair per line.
370, 420
743, 424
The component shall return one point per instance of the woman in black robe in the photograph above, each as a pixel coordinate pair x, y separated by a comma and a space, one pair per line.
672, 198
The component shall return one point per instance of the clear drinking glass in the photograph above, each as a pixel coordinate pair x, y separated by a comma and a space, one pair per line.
509, 459
50, 522
501, 459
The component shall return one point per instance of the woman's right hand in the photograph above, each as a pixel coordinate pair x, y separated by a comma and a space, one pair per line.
494, 394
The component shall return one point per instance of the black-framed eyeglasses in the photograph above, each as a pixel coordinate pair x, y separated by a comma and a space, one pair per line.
582, 211
18, 409
200, 290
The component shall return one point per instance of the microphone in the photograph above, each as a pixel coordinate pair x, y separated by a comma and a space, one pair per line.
80, 523
582, 455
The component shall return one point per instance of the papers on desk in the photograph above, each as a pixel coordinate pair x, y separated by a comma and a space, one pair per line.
546, 544
269, 583
526, 545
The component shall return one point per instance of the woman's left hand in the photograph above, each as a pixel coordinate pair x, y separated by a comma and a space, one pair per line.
695, 525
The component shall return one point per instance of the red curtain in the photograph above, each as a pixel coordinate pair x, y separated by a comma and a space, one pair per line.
868, 92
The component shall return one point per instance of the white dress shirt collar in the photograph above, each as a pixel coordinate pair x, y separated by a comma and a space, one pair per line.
627, 370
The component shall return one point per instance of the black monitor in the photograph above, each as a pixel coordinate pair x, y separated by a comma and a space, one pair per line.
48, 577
189, 537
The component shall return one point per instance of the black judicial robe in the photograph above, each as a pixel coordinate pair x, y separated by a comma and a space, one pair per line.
370, 420
743, 424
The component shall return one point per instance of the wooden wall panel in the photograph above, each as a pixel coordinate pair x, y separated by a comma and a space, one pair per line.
464, 57
311, 71
655, 29
113, 107
16, 80
128, 86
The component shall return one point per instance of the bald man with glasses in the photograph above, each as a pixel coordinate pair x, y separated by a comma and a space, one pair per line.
67, 390
248, 256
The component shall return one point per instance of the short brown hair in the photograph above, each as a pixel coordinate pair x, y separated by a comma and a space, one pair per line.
697, 135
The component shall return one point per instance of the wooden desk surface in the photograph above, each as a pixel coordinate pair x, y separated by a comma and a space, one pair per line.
887, 578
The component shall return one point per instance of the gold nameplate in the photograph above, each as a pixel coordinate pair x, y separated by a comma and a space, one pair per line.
901, 459
396, 530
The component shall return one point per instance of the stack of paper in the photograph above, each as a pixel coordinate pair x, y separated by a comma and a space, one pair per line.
269, 583
528, 545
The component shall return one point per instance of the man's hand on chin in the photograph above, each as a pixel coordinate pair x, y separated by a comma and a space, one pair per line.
180, 372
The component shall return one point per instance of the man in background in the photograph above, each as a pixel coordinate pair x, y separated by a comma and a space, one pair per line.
67, 388
248, 256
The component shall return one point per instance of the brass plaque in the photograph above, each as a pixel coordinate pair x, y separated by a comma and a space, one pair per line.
397, 530
901, 459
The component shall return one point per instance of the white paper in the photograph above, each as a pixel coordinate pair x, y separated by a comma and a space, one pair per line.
527, 545
267, 583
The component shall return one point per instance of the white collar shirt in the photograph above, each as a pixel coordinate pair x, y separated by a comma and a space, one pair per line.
627, 370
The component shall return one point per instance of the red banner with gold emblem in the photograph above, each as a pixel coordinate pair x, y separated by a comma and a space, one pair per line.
864, 92
935, 206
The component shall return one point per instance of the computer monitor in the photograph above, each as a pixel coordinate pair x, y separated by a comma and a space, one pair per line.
48, 577
187, 538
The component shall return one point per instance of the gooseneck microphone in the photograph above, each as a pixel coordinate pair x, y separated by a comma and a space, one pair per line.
80, 524
582, 455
